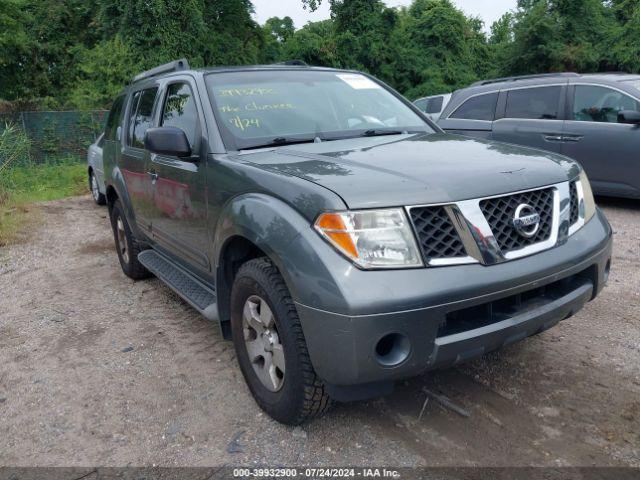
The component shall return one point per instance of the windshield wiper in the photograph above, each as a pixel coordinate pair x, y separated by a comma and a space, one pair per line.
281, 141
376, 132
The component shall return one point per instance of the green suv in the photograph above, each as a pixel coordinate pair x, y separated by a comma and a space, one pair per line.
336, 235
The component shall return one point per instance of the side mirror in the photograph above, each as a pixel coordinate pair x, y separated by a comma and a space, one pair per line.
170, 141
629, 116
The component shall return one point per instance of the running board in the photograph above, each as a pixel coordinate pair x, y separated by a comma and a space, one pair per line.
193, 291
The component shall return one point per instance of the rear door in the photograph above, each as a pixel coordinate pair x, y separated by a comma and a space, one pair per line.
608, 150
473, 117
180, 208
532, 116
135, 159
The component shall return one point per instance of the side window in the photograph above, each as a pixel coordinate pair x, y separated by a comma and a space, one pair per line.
482, 107
421, 104
113, 121
540, 103
143, 118
135, 99
600, 104
434, 105
180, 111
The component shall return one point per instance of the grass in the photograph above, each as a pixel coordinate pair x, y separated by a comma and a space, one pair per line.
23, 185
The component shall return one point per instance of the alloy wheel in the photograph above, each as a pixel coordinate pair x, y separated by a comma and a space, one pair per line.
122, 240
263, 343
95, 191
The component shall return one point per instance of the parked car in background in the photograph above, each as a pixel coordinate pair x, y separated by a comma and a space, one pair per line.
341, 240
434, 105
96, 171
594, 119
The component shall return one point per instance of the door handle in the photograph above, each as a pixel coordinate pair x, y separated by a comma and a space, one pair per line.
153, 175
573, 138
553, 138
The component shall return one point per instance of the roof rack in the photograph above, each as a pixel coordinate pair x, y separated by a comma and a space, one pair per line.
174, 66
293, 63
524, 77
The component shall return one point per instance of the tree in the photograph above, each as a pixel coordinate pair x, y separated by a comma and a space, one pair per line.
625, 40
232, 37
440, 49
363, 29
14, 45
560, 35
277, 31
160, 30
315, 44
102, 72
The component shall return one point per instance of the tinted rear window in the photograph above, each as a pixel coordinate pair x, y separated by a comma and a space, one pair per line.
434, 105
534, 103
482, 107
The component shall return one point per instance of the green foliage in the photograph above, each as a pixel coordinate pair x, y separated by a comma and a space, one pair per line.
102, 72
560, 35
277, 32
315, 44
15, 147
79, 53
440, 49
21, 185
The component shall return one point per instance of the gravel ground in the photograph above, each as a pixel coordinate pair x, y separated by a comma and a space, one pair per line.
98, 370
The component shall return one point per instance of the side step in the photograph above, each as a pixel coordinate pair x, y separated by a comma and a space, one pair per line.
192, 290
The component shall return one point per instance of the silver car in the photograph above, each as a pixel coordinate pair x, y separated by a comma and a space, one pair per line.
594, 119
96, 171
433, 106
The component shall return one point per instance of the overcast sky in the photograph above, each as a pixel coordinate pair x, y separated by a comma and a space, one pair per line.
488, 10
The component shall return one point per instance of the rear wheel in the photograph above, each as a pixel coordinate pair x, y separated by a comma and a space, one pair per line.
98, 197
127, 245
270, 345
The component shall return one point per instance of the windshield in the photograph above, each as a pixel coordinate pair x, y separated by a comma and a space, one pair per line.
271, 107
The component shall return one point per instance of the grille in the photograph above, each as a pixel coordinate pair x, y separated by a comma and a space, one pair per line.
574, 215
500, 212
437, 236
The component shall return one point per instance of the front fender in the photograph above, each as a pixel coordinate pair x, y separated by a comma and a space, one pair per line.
308, 264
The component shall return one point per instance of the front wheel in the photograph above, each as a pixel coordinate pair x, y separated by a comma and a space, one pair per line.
270, 345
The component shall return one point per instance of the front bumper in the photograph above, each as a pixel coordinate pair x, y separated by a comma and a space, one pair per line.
455, 313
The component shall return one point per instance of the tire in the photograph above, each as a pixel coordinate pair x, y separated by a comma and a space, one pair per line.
98, 197
300, 394
127, 245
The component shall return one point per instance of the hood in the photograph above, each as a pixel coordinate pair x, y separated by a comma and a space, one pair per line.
404, 170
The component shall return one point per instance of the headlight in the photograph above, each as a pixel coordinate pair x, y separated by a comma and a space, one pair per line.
589, 204
372, 238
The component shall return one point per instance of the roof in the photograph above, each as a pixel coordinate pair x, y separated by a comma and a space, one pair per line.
182, 66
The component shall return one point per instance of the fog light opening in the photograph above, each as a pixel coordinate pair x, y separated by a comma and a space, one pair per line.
392, 349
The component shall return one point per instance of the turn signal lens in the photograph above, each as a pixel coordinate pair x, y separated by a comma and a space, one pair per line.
333, 227
589, 202
372, 238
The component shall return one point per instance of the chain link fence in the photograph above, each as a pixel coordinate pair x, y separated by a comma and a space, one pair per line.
57, 134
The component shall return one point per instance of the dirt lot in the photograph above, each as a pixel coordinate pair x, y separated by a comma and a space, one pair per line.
98, 370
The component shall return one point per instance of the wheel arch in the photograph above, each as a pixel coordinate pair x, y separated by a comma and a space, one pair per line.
260, 224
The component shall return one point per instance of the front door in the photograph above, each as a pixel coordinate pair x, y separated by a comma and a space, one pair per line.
180, 208
607, 150
135, 159
532, 117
